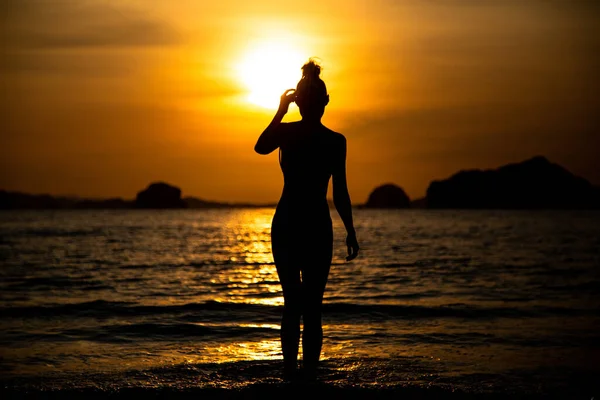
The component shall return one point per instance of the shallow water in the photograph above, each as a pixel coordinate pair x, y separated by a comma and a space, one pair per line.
476, 300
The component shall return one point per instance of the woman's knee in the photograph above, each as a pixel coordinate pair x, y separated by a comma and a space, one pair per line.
292, 305
311, 316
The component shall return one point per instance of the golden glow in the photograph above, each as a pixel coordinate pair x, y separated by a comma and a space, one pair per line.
252, 277
268, 69
269, 349
411, 88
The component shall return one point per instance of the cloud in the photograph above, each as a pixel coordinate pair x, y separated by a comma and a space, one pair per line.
65, 25
140, 33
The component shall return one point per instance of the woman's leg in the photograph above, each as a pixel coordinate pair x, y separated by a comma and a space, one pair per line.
289, 277
314, 280
313, 288
290, 321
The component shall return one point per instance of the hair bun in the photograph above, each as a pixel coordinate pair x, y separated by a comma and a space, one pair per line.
311, 69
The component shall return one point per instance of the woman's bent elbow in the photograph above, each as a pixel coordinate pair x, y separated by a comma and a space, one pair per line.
260, 150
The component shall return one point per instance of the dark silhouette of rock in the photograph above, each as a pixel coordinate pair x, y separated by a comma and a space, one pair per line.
419, 203
160, 195
115, 203
18, 200
194, 202
532, 184
388, 196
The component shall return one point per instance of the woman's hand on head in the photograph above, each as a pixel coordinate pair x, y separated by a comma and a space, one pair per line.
352, 244
289, 96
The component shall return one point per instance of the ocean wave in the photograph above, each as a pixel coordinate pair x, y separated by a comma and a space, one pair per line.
86, 282
193, 264
142, 331
467, 339
56, 232
165, 331
102, 308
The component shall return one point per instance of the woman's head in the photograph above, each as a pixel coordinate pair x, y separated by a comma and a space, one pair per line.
311, 92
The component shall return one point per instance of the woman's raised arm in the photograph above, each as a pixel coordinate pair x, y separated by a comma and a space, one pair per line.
269, 139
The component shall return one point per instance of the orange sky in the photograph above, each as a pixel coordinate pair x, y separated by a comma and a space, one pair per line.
100, 98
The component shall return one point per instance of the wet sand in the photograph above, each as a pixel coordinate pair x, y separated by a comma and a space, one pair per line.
277, 391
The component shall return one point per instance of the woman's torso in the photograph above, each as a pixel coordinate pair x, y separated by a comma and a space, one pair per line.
307, 156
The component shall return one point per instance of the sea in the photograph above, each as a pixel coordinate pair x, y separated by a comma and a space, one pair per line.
451, 300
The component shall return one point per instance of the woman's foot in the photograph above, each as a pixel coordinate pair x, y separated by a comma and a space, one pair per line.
309, 373
290, 373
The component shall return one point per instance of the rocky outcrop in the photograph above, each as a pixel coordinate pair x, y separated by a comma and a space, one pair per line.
104, 204
532, 184
419, 203
388, 196
160, 195
18, 200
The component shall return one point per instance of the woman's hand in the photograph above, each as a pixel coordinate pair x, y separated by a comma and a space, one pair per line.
289, 96
352, 244
270, 139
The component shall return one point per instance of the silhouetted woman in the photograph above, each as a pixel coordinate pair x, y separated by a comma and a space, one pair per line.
301, 234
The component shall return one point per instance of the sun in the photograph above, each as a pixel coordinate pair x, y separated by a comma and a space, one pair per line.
267, 70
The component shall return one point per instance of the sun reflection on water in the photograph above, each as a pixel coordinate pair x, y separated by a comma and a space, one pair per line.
252, 278
269, 349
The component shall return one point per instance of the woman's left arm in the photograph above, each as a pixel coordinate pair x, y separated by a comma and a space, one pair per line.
269, 139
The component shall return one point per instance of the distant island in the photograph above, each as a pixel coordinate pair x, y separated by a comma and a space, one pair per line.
158, 195
388, 196
532, 184
535, 183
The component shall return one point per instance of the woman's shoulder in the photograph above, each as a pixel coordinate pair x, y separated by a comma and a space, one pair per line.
335, 137
291, 128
